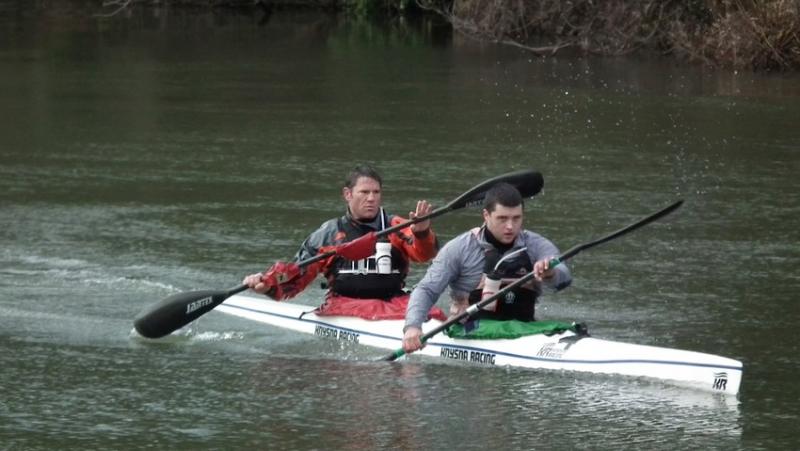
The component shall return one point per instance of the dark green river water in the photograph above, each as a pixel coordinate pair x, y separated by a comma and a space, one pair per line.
158, 151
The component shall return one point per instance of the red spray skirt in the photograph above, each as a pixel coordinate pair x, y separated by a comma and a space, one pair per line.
372, 309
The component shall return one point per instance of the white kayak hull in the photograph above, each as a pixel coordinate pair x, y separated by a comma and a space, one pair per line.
565, 351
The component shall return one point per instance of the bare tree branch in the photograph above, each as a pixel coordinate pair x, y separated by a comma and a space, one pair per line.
119, 4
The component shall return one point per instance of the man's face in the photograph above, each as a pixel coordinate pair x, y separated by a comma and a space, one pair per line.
364, 198
504, 222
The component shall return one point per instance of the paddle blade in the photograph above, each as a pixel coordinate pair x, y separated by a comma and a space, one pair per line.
176, 311
528, 182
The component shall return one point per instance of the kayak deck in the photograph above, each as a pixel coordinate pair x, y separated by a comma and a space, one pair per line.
565, 351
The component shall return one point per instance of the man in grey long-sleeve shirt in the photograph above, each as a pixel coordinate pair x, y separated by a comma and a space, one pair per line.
501, 249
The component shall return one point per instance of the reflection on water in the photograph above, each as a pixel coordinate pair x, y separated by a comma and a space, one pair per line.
444, 403
217, 393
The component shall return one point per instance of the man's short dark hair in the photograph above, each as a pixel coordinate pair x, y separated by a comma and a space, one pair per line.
362, 170
502, 194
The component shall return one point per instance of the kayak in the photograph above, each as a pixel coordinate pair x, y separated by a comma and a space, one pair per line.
565, 351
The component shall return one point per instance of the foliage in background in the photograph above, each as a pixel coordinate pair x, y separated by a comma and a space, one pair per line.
761, 34
369, 7
758, 34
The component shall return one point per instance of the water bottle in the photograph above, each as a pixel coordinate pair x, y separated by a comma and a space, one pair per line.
383, 257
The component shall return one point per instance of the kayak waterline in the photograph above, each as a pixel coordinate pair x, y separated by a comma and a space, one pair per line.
566, 351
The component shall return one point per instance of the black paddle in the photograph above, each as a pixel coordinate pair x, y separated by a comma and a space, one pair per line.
473, 309
180, 309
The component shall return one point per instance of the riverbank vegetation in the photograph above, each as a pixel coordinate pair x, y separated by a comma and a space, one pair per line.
756, 34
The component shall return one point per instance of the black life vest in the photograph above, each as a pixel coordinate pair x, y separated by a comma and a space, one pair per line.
520, 302
360, 279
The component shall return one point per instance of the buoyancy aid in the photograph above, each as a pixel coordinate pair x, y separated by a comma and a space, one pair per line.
520, 302
368, 278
